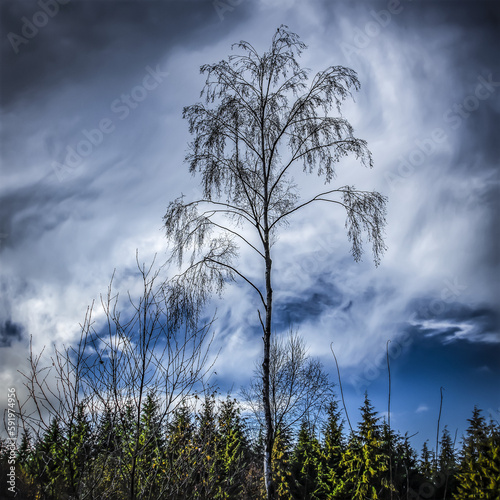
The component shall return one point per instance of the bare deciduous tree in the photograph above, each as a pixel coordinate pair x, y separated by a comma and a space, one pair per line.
260, 118
299, 387
132, 363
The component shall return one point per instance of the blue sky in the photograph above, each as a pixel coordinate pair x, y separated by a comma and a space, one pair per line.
92, 148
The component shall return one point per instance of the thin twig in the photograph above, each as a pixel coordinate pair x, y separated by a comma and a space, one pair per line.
439, 419
340, 384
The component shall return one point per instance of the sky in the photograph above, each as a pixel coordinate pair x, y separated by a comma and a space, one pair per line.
92, 151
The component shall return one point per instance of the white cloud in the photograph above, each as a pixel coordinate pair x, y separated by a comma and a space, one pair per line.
422, 408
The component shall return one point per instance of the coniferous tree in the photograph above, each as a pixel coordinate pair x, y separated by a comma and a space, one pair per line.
206, 440
150, 453
475, 439
4, 467
479, 475
423, 484
232, 450
182, 454
107, 457
391, 442
77, 451
48, 463
426, 465
26, 483
215, 459
447, 466
405, 471
127, 438
305, 465
364, 461
446, 460
281, 464
254, 484
333, 447
24, 451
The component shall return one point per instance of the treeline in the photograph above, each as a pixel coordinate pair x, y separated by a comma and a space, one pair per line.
215, 452
127, 412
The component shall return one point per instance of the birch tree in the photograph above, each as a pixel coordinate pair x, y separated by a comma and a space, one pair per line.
262, 116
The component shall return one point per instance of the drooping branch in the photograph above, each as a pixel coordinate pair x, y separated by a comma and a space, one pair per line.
366, 211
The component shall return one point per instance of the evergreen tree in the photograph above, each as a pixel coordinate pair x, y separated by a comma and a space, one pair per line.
48, 463
422, 481
447, 466
181, 456
391, 447
107, 439
281, 464
232, 450
24, 451
333, 447
126, 453
475, 440
77, 450
479, 475
426, 465
208, 464
105, 479
5, 468
151, 448
254, 483
405, 472
305, 465
333, 439
26, 484
369, 428
446, 460
364, 461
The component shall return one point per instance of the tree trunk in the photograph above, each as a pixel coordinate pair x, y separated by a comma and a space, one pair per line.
270, 489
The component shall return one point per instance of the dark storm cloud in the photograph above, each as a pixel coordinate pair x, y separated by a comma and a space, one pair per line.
311, 304
477, 24
474, 64
455, 321
34, 210
9, 332
86, 37
83, 41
